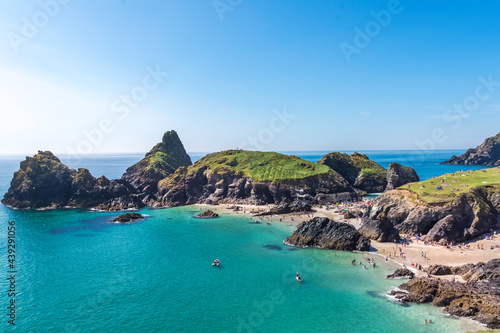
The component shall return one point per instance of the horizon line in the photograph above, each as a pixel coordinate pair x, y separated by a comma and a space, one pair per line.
210, 152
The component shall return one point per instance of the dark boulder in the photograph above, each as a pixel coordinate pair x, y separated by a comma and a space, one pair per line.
128, 217
324, 233
208, 214
438, 270
401, 273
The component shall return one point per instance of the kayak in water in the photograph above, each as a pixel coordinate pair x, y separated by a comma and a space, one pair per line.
298, 277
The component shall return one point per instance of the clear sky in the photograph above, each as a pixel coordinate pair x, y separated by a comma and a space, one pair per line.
91, 76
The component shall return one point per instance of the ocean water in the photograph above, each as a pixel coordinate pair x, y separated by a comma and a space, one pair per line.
78, 273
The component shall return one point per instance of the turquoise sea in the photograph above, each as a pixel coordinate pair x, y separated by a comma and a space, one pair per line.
78, 273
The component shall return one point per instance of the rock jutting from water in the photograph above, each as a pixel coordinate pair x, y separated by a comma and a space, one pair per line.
128, 217
208, 214
324, 233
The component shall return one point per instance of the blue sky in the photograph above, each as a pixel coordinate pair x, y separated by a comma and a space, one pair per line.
268, 75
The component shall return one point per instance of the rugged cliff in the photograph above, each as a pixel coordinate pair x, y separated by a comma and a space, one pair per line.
402, 212
324, 233
358, 170
255, 178
166, 178
159, 162
399, 175
44, 182
488, 153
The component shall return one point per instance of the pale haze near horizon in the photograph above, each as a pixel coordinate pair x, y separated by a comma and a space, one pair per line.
232, 74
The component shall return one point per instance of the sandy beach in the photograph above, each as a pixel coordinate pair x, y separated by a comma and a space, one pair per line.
416, 253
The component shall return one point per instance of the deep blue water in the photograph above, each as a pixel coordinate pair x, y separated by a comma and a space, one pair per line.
79, 273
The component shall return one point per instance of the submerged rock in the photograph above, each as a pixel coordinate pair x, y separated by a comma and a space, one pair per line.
128, 217
208, 214
324, 233
272, 247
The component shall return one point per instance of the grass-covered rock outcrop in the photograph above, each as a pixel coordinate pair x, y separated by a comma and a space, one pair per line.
159, 162
358, 170
438, 209
253, 177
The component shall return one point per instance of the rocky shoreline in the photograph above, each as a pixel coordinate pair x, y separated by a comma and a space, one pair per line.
478, 298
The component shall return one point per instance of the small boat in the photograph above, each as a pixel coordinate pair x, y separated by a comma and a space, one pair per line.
216, 263
298, 277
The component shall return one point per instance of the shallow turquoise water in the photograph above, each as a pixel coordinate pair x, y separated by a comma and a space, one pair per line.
79, 273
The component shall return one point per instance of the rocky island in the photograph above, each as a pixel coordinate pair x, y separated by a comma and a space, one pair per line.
128, 217
488, 153
44, 182
208, 214
166, 177
252, 177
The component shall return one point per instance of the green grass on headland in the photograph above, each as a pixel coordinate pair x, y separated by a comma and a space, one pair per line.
261, 166
453, 184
